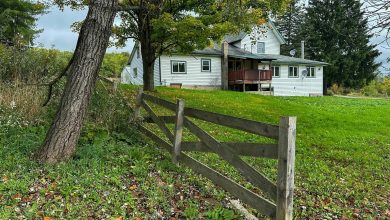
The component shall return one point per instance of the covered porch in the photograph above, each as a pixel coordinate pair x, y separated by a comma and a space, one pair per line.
249, 74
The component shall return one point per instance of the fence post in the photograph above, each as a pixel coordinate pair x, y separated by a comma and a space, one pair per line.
178, 130
137, 109
286, 159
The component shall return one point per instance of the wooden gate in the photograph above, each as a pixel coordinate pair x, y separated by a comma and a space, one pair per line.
281, 193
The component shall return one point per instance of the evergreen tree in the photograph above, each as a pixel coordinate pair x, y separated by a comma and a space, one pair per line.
289, 24
336, 32
17, 21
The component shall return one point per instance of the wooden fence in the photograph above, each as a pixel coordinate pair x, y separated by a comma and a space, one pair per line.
281, 204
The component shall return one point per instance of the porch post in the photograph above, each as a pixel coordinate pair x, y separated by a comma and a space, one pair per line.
225, 67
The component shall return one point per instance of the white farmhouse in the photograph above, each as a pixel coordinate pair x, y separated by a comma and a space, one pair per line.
245, 62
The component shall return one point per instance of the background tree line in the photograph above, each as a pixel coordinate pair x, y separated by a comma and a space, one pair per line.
336, 32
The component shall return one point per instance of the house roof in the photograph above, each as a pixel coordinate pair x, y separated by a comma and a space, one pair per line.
232, 38
281, 59
238, 37
136, 46
236, 52
215, 51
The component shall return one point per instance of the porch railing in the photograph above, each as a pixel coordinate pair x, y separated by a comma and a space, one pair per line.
251, 75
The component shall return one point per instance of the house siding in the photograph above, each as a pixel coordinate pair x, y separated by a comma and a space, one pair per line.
287, 86
271, 42
194, 76
128, 77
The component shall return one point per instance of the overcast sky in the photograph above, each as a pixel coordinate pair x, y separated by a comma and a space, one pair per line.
57, 33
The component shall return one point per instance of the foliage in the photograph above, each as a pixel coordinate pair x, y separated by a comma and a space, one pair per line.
378, 87
289, 25
31, 65
113, 64
339, 142
18, 21
337, 33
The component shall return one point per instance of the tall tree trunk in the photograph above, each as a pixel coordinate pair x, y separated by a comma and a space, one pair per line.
147, 50
64, 133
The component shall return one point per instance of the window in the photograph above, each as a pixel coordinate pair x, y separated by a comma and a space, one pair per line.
135, 72
276, 71
292, 71
206, 65
178, 67
260, 47
311, 71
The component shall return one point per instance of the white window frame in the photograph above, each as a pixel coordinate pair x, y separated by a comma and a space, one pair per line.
295, 74
178, 62
273, 71
257, 47
202, 65
311, 72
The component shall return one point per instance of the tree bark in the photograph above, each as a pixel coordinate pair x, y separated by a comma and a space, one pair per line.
63, 135
147, 50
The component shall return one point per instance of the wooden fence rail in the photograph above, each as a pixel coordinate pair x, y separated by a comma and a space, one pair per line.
280, 205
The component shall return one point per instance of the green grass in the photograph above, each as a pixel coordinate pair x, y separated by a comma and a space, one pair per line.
110, 176
342, 148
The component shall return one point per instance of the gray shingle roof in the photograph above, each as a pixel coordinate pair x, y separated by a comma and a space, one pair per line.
236, 52
234, 37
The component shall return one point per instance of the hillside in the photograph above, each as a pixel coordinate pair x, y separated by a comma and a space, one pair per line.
343, 147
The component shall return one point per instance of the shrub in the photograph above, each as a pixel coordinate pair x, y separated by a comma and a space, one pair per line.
336, 89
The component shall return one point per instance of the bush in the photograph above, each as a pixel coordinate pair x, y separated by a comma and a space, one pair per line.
377, 88
336, 89
31, 65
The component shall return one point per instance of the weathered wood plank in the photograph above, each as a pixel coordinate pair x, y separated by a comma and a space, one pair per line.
167, 119
138, 102
232, 157
267, 130
261, 204
285, 183
242, 149
157, 120
158, 101
178, 130
157, 139
255, 127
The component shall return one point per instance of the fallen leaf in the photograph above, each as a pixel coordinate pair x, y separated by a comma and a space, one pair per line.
119, 218
17, 196
46, 218
133, 187
137, 218
4, 178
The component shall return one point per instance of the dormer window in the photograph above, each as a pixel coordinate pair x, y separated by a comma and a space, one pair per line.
260, 47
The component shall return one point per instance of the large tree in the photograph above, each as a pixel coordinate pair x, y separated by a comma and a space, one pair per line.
289, 24
178, 26
17, 21
160, 26
82, 72
336, 32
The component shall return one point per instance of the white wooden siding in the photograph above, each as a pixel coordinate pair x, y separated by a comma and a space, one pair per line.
194, 76
272, 44
287, 86
128, 77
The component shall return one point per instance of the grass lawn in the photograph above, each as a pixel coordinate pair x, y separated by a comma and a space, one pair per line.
112, 176
342, 151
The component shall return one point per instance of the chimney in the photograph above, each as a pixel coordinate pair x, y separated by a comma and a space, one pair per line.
303, 49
